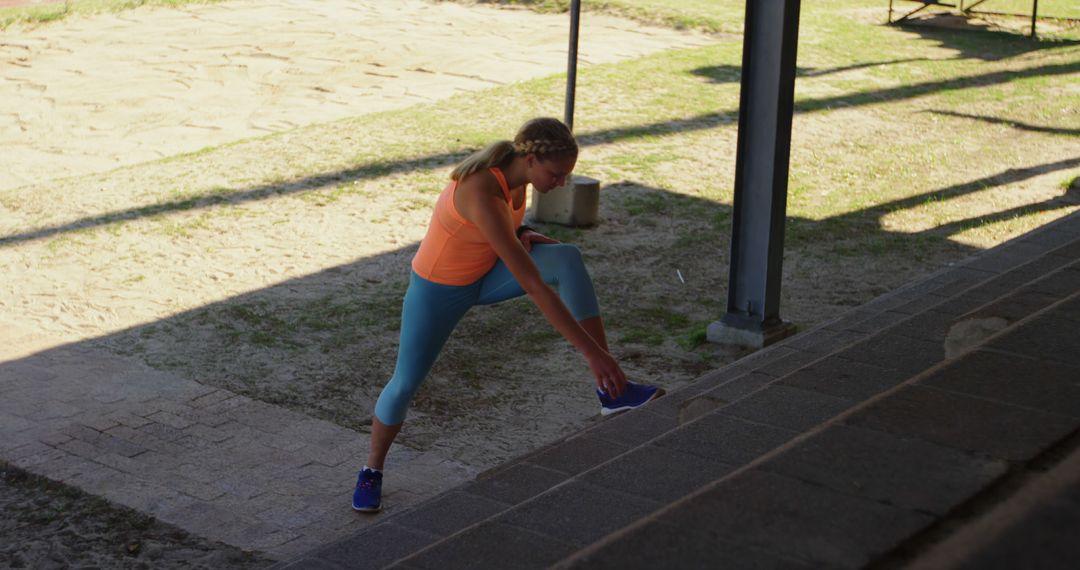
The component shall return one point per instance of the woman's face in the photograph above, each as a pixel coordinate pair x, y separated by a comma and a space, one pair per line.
550, 173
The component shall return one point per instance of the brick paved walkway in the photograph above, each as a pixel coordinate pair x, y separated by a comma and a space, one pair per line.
217, 464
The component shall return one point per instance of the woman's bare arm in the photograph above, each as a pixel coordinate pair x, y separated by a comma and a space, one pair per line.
481, 202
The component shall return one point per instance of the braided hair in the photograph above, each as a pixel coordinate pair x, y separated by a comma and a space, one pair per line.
544, 137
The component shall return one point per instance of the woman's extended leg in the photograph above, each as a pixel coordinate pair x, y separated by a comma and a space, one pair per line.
560, 265
429, 314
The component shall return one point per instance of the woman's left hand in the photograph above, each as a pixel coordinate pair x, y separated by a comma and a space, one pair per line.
529, 237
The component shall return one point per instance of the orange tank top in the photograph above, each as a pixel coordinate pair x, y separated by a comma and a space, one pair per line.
454, 251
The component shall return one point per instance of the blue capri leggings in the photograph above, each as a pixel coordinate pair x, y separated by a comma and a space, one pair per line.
431, 311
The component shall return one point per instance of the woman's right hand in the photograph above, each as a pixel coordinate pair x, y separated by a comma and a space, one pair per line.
609, 377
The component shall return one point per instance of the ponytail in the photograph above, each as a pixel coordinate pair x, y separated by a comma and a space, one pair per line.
495, 154
543, 137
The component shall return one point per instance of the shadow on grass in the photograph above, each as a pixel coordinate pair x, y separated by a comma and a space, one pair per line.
955, 32
1010, 123
723, 74
382, 168
262, 343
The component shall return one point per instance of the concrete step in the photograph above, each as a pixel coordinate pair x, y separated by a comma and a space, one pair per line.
832, 448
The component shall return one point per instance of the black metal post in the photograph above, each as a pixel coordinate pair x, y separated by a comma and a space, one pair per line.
766, 105
1034, 16
571, 65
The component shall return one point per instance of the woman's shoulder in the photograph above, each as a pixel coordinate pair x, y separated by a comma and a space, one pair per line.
480, 184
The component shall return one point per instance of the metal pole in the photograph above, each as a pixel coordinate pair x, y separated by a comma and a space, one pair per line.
766, 104
571, 65
1034, 16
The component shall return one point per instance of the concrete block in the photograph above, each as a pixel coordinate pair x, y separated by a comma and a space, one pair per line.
162, 431
195, 489
98, 421
81, 432
1049, 238
30, 449
634, 429
741, 387
210, 398
787, 363
710, 380
1013, 380
1049, 338
578, 513
273, 539
781, 515
575, 204
516, 483
693, 409
169, 419
80, 448
822, 341
33, 461
878, 322
962, 422
844, 378
919, 304
670, 405
788, 408
292, 519
121, 463
1069, 310
130, 420
721, 332
851, 317
312, 563
450, 513
1044, 538
375, 547
725, 438
493, 546
658, 545
577, 454
895, 470
119, 446
898, 352
930, 325
13, 424
658, 473
50, 410
1015, 306
758, 358
1004, 258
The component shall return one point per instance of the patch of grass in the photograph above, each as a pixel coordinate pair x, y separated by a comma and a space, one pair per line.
45, 13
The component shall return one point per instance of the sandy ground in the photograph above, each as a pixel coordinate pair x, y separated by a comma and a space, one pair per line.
87, 95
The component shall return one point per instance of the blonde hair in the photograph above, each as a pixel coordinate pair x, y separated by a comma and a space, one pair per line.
544, 137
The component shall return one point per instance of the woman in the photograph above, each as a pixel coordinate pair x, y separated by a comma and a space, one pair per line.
476, 252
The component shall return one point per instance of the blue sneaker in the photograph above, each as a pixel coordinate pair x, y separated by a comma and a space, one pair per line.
633, 396
368, 495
